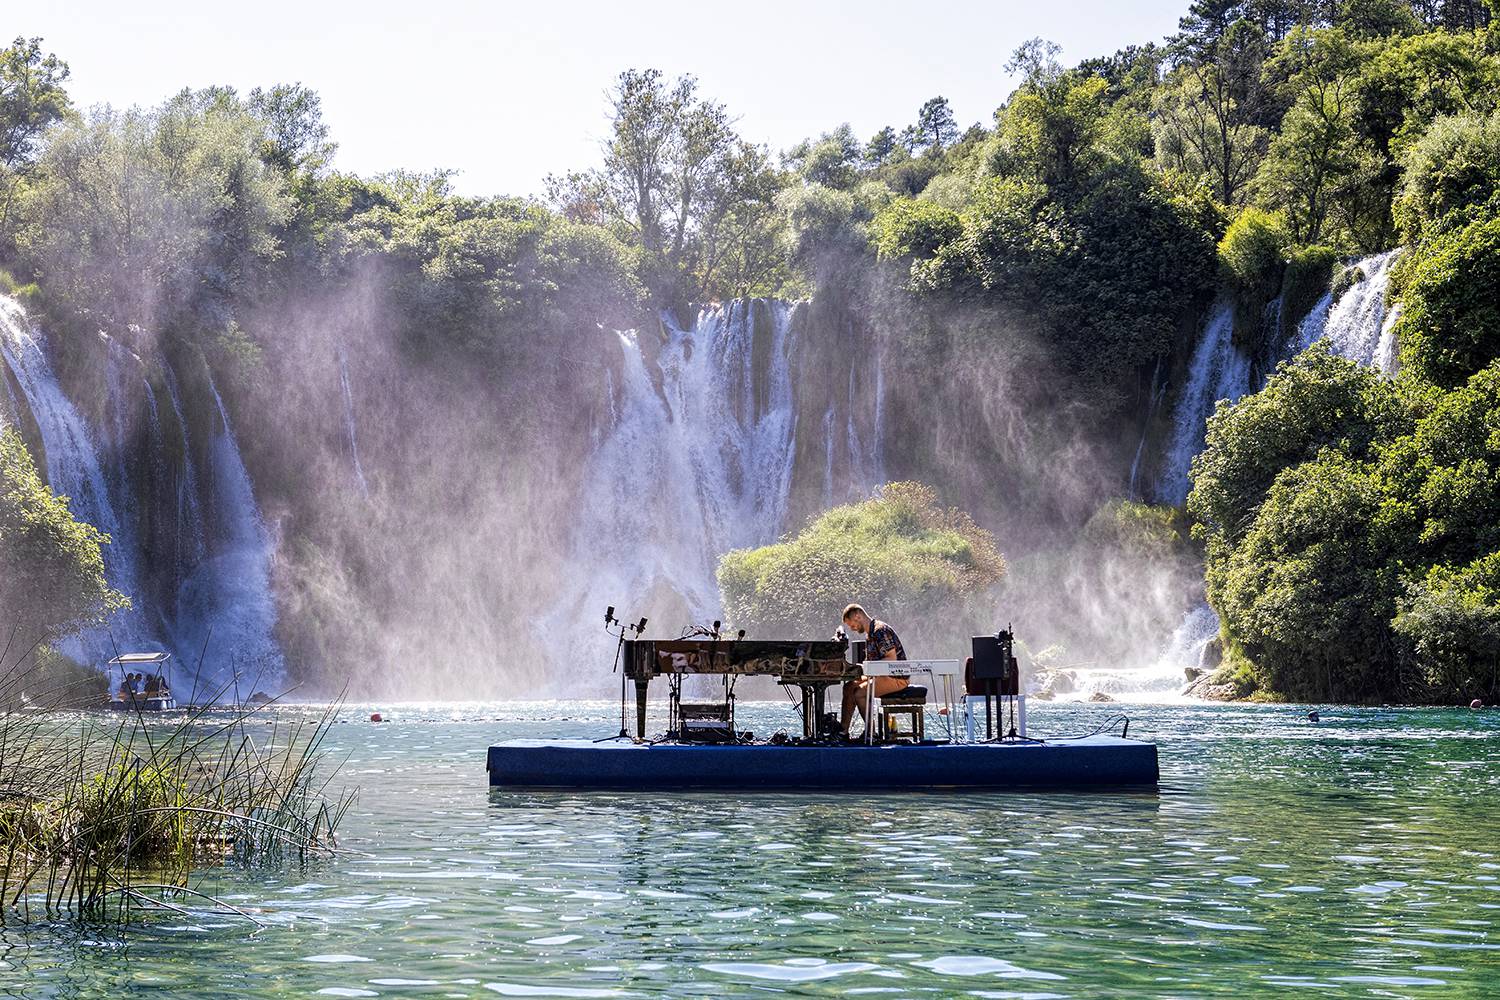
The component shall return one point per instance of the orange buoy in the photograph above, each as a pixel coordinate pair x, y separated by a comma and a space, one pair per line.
375, 717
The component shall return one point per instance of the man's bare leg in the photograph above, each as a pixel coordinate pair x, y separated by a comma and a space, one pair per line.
854, 701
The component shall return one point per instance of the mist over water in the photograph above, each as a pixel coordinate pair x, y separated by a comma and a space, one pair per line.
118, 478
362, 520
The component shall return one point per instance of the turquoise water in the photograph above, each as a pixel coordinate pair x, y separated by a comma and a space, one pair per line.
1356, 857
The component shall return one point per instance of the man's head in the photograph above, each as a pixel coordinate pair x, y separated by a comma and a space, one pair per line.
856, 619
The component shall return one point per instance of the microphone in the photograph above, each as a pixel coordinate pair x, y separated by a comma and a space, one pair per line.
641, 627
609, 615
742, 634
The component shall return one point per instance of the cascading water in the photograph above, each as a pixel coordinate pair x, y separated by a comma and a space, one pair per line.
225, 605
1356, 325
693, 467
223, 552
1218, 370
698, 462
351, 427
73, 470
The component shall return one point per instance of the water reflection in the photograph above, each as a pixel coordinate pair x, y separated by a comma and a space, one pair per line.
1355, 857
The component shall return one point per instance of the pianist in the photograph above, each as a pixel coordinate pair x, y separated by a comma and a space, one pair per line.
881, 643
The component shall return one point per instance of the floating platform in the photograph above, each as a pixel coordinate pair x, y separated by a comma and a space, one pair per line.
1097, 762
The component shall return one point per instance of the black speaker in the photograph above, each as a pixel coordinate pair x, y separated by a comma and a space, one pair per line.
995, 666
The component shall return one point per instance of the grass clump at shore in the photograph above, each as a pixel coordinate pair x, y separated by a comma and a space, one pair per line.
103, 818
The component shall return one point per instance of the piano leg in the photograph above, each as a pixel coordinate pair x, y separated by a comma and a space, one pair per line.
640, 709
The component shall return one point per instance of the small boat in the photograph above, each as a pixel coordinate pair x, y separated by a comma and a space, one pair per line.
155, 693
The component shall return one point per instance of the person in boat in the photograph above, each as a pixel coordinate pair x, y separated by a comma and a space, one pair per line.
124, 692
881, 643
153, 686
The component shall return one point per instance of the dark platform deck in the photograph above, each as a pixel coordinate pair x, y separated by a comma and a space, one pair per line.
1091, 762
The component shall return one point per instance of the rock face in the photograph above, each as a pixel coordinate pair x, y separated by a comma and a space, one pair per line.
1208, 687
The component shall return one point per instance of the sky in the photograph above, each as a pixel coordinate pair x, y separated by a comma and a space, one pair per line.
507, 93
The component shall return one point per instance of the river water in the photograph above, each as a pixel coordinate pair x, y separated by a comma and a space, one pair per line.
1359, 856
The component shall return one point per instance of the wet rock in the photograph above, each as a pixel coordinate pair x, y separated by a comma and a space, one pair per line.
1207, 688
1191, 674
1212, 656
1100, 696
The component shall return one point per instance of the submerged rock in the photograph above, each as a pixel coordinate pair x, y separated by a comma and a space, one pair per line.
1100, 696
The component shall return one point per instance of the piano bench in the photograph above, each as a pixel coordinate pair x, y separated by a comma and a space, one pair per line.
910, 702
909, 695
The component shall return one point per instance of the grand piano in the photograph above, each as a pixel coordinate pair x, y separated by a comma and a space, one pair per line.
811, 666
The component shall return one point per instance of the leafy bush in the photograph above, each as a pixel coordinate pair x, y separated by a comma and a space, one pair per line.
1309, 592
1314, 401
1450, 621
1450, 325
908, 228
51, 566
1456, 164
902, 555
1308, 275
1254, 248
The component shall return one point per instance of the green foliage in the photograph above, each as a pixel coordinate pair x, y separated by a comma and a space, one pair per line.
900, 554
1450, 623
1454, 166
913, 229
1254, 248
1142, 531
1308, 592
674, 169
51, 568
1450, 326
1352, 525
32, 98
1315, 401
138, 216
1308, 275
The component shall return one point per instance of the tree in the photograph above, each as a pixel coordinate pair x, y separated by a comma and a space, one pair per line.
900, 553
32, 98
1316, 158
881, 147
936, 128
1450, 326
139, 216
1454, 166
1208, 114
673, 167
51, 566
296, 137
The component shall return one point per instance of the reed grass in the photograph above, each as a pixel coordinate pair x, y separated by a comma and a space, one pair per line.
105, 816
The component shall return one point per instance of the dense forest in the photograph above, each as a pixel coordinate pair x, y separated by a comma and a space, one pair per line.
1343, 522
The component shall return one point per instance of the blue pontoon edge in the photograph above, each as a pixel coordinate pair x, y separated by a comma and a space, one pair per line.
1097, 761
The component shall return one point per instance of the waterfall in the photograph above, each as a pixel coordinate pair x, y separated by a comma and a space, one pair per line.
1357, 327
73, 470
351, 429
221, 570
1218, 370
225, 605
698, 462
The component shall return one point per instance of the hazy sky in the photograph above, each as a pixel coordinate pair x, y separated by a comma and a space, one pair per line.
507, 93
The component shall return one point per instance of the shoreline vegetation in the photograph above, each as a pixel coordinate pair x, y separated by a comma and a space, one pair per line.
110, 817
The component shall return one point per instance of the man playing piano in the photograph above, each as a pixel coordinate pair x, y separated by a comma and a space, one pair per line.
881, 643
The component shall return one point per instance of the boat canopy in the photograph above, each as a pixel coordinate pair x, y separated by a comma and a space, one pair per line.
142, 659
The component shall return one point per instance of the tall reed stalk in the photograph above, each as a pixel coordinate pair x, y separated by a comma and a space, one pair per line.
105, 816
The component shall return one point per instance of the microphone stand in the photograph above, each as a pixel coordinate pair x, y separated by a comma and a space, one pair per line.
610, 619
